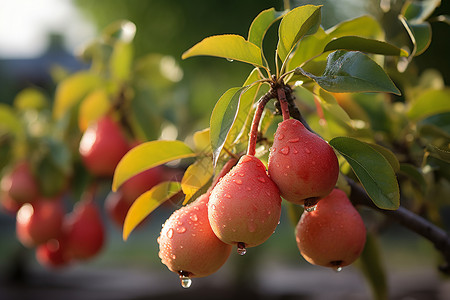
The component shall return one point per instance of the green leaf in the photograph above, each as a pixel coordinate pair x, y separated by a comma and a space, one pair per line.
92, 107
309, 47
356, 43
30, 98
329, 103
389, 155
429, 103
245, 105
148, 202
121, 61
10, 122
419, 11
364, 26
295, 24
71, 90
422, 35
373, 268
222, 119
197, 175
372, 169
440, 153
229, 46
202, 141
148, 155
353, 72
414, 174
261, 24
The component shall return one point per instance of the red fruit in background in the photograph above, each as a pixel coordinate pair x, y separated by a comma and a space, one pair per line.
187, 244
333, 235
102, 146
142, 182
20, 184
39, 221
52, 254
84, 230
301, 164
117, 206
245, 206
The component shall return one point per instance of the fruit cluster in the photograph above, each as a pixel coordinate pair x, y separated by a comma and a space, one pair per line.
42, 222
243, 208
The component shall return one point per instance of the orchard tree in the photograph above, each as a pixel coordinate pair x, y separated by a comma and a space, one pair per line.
339, 135
339, 120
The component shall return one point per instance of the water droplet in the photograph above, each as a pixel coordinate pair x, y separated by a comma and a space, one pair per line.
169, 233
285, 150
249, 188
295, 151
311, 208
272, 149
294, 140
194, 217
238, 181
262, 179
288, 166
307, 150
230, 60
184, 279
227, 196
241, 174
181, 229
280, 136
337, 269
241, 248
246, 159
269, 212
174, 256
213, 207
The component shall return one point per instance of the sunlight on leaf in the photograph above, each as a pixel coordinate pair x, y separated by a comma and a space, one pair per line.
148, 202
148, 155
196, 176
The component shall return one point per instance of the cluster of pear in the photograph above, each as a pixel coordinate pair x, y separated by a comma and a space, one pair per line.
243, 208
42, 222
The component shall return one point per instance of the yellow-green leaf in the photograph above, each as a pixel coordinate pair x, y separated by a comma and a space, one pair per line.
30, 98
296, 24
148, 202
202, 141
196, 176
148, 155
229, 46
429, 103
121, 61
71, 90
330, 104
94, 105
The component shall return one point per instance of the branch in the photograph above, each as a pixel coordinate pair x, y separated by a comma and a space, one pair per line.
439, 237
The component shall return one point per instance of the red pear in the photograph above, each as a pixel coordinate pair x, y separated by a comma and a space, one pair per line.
102, 146
85, 230
39, 221
117, 206
142, 182
53, 254
333, 235
245, 206
187, 244
302, 165
20, 185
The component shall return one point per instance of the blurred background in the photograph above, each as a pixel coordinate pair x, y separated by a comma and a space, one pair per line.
39, 43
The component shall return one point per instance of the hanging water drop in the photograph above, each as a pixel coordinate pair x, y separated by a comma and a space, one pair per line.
337, 269
241, 248
184, 279
311, 208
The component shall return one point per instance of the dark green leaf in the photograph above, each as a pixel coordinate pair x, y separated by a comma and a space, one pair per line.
442, 154
353, 72
295, 24
419, 11
356, 43
415, 174
372, 169
222, 119
389, 155
261, 24
422, 35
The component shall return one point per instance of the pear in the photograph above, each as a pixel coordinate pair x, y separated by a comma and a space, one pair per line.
303, 165
187, 244
333, 234
245, 206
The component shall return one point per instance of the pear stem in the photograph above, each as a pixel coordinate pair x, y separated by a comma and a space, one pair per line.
251, 150
283, 103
